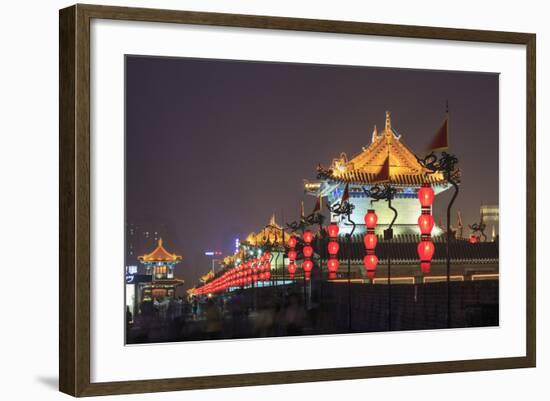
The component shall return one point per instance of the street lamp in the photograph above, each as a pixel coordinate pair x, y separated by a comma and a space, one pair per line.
447, 165
426, 223
333, 248
387, 193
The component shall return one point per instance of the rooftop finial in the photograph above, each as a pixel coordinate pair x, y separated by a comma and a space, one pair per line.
374, 134
160, 241
388, 121
272, 220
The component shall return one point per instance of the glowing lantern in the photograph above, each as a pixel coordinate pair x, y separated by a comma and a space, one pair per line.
426, 248
425, 267
292, 242
292, 255
426, 223
426, 195
371, 219
426, 251
333, 248
370, 262
308, 251
333, 265
307, 265
370, 241
292, 269
333, 230
308, 236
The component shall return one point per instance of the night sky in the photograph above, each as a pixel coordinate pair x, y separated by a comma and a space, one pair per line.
213, 148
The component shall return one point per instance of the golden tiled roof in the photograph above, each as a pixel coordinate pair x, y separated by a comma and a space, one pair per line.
160, 255
365, 168
271, 233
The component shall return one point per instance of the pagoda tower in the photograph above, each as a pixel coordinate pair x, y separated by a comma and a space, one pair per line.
403, 172
160, 265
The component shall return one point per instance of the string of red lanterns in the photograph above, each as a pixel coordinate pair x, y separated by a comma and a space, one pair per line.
292, 256
371, 240
307, 264
333, 248
426, 223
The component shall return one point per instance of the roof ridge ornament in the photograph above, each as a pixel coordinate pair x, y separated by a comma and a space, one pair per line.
387, 128
374, 134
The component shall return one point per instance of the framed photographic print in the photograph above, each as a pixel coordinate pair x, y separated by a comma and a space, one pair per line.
284, 200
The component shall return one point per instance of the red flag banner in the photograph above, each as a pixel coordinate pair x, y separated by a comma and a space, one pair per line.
441, 139
345, 195
384, 174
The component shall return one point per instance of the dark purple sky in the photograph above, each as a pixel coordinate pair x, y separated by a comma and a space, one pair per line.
215, 147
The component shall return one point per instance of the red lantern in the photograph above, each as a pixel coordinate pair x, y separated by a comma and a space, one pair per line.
370, 241
474, 239
333, 265
370, 262
308, 251
308, 236
267, 275
292, 255
333, 230
333, 248
426, 195
426, 223
371, 219
425, 267
426, 250
292, 268
292, 242
307, 265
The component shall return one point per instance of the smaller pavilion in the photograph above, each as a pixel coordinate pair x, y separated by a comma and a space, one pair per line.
160, 265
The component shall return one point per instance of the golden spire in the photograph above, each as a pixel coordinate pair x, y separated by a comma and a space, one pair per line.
160, 242
374, 134
272, 220
387, 129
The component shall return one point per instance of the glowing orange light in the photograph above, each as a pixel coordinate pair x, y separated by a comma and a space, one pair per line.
292, 242
426, 195
426, 250
370, 262
333, 265
426, 223
333, 230
370, 241
333, 247
371, 219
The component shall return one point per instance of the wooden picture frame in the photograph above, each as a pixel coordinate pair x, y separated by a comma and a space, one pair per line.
74, 206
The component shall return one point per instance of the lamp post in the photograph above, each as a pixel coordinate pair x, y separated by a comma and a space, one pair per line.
303, 225
446, 163
387, 193
345, 208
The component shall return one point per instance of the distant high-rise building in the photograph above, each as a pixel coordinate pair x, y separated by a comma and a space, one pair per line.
490, 216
